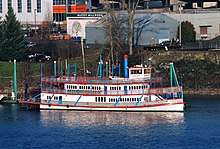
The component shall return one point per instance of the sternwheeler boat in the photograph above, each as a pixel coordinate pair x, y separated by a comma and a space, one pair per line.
137, 91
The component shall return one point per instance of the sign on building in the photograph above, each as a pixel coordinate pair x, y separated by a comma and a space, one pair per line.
76, 23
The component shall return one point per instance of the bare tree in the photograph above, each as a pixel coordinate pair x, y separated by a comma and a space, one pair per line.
48, 19
131, 9
115, 32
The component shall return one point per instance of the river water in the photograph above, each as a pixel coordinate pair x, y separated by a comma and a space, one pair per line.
198, 127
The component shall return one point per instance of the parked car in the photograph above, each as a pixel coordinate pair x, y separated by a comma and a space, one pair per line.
28, 44
38, 57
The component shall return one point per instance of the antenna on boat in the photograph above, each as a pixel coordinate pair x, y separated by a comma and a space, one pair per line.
173, 75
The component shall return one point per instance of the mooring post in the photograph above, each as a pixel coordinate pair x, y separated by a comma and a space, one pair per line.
55, 68
15, 81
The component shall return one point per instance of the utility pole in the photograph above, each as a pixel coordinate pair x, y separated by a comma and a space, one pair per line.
83, 54
35, 21
180, 29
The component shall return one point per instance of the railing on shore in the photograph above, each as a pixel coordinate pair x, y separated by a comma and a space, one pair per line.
91, 80
164, 90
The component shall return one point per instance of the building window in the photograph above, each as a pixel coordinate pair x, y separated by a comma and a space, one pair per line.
9, 4
0, 6
71, 2
59, 2
29, 6
203, 30
39, 6
59, 17
19, 6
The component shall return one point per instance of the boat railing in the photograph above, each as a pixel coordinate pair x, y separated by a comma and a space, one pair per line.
91, 80
117, 92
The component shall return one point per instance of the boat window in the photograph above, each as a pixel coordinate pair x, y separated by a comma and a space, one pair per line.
147, 71
104, 99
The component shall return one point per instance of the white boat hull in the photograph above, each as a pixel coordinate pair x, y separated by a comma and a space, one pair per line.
178, 107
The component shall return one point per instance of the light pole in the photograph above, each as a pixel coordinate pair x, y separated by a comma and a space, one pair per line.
180, 29
35, 20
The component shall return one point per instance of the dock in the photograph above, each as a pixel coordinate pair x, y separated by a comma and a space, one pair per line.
5, 99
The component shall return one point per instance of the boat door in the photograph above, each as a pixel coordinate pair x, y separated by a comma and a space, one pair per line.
60, 100
105, 90
126, 89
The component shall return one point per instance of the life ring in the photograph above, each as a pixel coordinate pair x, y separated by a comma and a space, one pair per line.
49, 105
67, 106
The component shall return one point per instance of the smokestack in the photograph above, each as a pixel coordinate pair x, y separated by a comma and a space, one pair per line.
126, 66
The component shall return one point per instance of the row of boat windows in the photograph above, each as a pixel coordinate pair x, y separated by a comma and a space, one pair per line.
103, 99
138, 87
83, 87
55, 97
111, 88
139, 71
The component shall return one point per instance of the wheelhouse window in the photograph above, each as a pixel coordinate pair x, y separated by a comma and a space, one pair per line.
137, 71
147, 71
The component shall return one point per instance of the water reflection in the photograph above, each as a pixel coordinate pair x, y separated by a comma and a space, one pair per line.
87, 118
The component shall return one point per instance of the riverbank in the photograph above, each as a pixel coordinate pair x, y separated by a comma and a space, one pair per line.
202, 92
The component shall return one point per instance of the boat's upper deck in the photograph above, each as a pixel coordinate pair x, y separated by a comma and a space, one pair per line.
94, 80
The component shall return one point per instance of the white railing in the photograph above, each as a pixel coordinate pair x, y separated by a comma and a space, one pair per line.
118, 92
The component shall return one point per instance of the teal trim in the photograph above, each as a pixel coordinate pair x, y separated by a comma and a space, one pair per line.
139, 99
55, 68
77, 101
117, 101
175, 77
50, 99
97, 72
106, 67
171, 75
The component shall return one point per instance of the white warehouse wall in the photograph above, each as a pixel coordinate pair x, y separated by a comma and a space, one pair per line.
211, 19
